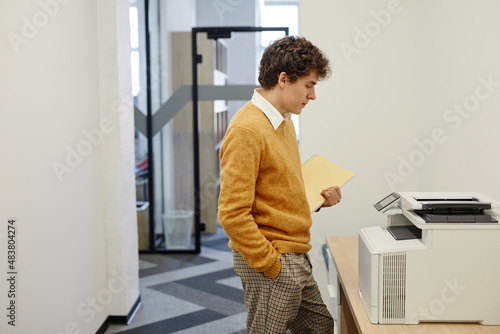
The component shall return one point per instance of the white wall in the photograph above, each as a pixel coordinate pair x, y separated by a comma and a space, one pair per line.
76, 258
388, 112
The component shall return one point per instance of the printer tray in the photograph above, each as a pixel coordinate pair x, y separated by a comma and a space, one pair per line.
405, 232
457, 218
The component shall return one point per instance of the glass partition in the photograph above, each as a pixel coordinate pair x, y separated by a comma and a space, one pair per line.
138, 64
178, 141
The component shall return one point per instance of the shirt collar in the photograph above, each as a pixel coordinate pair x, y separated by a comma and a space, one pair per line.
268, 109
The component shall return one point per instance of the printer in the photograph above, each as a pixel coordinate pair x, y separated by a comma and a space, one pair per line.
437, 260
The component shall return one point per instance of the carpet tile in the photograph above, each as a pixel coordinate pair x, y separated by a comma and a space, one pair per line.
173, 325
189, 294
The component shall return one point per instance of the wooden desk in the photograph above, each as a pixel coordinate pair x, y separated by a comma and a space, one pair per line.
353, 317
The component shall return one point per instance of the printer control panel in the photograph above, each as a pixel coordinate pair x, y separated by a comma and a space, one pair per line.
387, 202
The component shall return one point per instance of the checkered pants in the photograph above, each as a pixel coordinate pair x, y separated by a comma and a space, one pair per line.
291, 301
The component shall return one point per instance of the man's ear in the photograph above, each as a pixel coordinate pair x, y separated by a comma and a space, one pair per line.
282, 78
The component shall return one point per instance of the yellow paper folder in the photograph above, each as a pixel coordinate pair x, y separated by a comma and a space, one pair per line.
319, 174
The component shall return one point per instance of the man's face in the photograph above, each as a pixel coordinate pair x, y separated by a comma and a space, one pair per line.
298, 93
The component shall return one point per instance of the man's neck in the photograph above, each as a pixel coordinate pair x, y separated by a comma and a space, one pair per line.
273, 97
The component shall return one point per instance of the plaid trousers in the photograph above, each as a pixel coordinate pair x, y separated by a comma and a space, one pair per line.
291, 301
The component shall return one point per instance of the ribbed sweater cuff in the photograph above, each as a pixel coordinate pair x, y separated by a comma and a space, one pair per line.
275, 270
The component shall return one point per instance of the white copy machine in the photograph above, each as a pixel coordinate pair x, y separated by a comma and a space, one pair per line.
438, 259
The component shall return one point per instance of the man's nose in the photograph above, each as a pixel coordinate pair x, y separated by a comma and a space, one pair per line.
312, 95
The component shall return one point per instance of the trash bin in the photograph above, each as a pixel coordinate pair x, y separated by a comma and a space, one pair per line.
178, 227
142, 224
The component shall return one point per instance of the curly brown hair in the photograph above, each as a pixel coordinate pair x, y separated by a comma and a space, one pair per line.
296, 56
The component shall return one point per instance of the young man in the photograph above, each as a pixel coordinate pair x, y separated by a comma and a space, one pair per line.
263, 206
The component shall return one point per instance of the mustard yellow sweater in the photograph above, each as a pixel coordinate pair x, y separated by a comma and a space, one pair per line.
262, 204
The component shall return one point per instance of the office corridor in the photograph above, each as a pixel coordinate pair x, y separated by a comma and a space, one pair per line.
189, 294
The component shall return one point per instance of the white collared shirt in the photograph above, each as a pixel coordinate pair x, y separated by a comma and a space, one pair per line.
268, 109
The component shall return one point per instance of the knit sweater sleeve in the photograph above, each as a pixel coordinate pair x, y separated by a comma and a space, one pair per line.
240, 158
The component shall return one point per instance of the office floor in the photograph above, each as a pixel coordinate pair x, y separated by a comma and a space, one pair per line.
189, 294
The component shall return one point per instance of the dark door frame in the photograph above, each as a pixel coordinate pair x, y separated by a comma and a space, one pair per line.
212, 33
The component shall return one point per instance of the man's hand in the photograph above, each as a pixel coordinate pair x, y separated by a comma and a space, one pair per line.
332, 196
